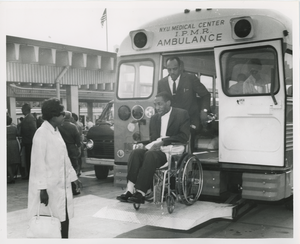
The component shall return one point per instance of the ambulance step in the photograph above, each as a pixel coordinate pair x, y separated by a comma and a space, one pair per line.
242, 207
183, 218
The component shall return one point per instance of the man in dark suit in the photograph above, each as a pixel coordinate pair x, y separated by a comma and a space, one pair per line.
184, 89
168, 125
28, 129
71, 136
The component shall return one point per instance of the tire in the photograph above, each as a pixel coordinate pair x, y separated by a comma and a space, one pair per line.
289, 203
170, 204
101, 171
136, 206
190, 180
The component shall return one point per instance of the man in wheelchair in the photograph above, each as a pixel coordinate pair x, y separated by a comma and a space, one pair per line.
169, 125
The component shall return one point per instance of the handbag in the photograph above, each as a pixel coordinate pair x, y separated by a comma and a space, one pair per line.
44, 226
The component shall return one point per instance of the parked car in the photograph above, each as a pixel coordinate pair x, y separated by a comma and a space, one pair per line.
100, 143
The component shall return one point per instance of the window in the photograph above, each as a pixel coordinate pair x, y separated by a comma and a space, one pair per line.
136, 79
249, 72
288, 70
209, 82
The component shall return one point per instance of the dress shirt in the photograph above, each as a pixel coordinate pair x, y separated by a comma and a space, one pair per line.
164, 123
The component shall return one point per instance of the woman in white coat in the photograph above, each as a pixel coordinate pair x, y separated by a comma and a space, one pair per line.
51, 171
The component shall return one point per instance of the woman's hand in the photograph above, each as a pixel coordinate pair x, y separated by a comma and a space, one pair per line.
78, 185
44, 197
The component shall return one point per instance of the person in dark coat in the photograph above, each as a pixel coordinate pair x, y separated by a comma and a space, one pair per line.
71, 136
28, 129
80, 129
168, 125
13, 149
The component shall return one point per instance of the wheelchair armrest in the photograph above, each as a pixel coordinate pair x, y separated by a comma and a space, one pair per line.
179, 143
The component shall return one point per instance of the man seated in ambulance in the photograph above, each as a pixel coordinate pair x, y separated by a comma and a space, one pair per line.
253, 84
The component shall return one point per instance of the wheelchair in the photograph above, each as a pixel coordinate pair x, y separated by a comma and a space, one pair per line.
180, 179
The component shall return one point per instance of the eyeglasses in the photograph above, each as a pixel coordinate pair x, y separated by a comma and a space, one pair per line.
254, 72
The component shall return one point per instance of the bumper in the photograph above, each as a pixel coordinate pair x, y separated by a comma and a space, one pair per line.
267, 187
100, 161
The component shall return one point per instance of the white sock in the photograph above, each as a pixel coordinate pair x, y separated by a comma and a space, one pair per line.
130, 187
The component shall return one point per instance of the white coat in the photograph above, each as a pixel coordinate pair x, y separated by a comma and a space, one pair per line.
50, 169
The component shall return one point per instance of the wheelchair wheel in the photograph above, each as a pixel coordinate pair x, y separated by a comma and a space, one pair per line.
170, 204
190, 180
136, 206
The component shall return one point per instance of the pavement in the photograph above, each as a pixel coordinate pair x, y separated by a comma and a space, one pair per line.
263, 222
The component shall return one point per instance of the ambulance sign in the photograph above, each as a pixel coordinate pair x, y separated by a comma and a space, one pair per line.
191, 33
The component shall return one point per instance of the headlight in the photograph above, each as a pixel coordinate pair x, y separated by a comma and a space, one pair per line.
120, 153
89, 144
124, 112
137, 112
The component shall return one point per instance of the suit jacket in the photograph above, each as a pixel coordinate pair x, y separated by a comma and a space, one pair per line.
28, 128
178, 128
185, 98
71, 136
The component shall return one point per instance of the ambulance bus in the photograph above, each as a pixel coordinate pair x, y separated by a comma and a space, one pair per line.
247, 147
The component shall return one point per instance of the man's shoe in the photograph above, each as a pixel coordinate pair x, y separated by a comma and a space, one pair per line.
124, 197
137, 198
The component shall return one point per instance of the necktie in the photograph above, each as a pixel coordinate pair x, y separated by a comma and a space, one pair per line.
174, 87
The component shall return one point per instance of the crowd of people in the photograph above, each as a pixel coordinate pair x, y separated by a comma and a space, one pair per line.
20, 136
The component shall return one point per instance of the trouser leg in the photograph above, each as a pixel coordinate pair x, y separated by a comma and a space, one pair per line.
135, 162
10, 173
74, 162
65, 226
28, 147
80, 162
152, 161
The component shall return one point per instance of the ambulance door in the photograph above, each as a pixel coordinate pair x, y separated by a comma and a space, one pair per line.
251, 103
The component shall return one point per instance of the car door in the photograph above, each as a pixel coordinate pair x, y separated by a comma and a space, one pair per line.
251, 121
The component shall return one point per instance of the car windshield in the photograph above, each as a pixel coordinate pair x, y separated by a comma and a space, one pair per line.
107, 115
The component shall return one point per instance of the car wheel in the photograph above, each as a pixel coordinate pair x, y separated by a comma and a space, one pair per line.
101, 171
